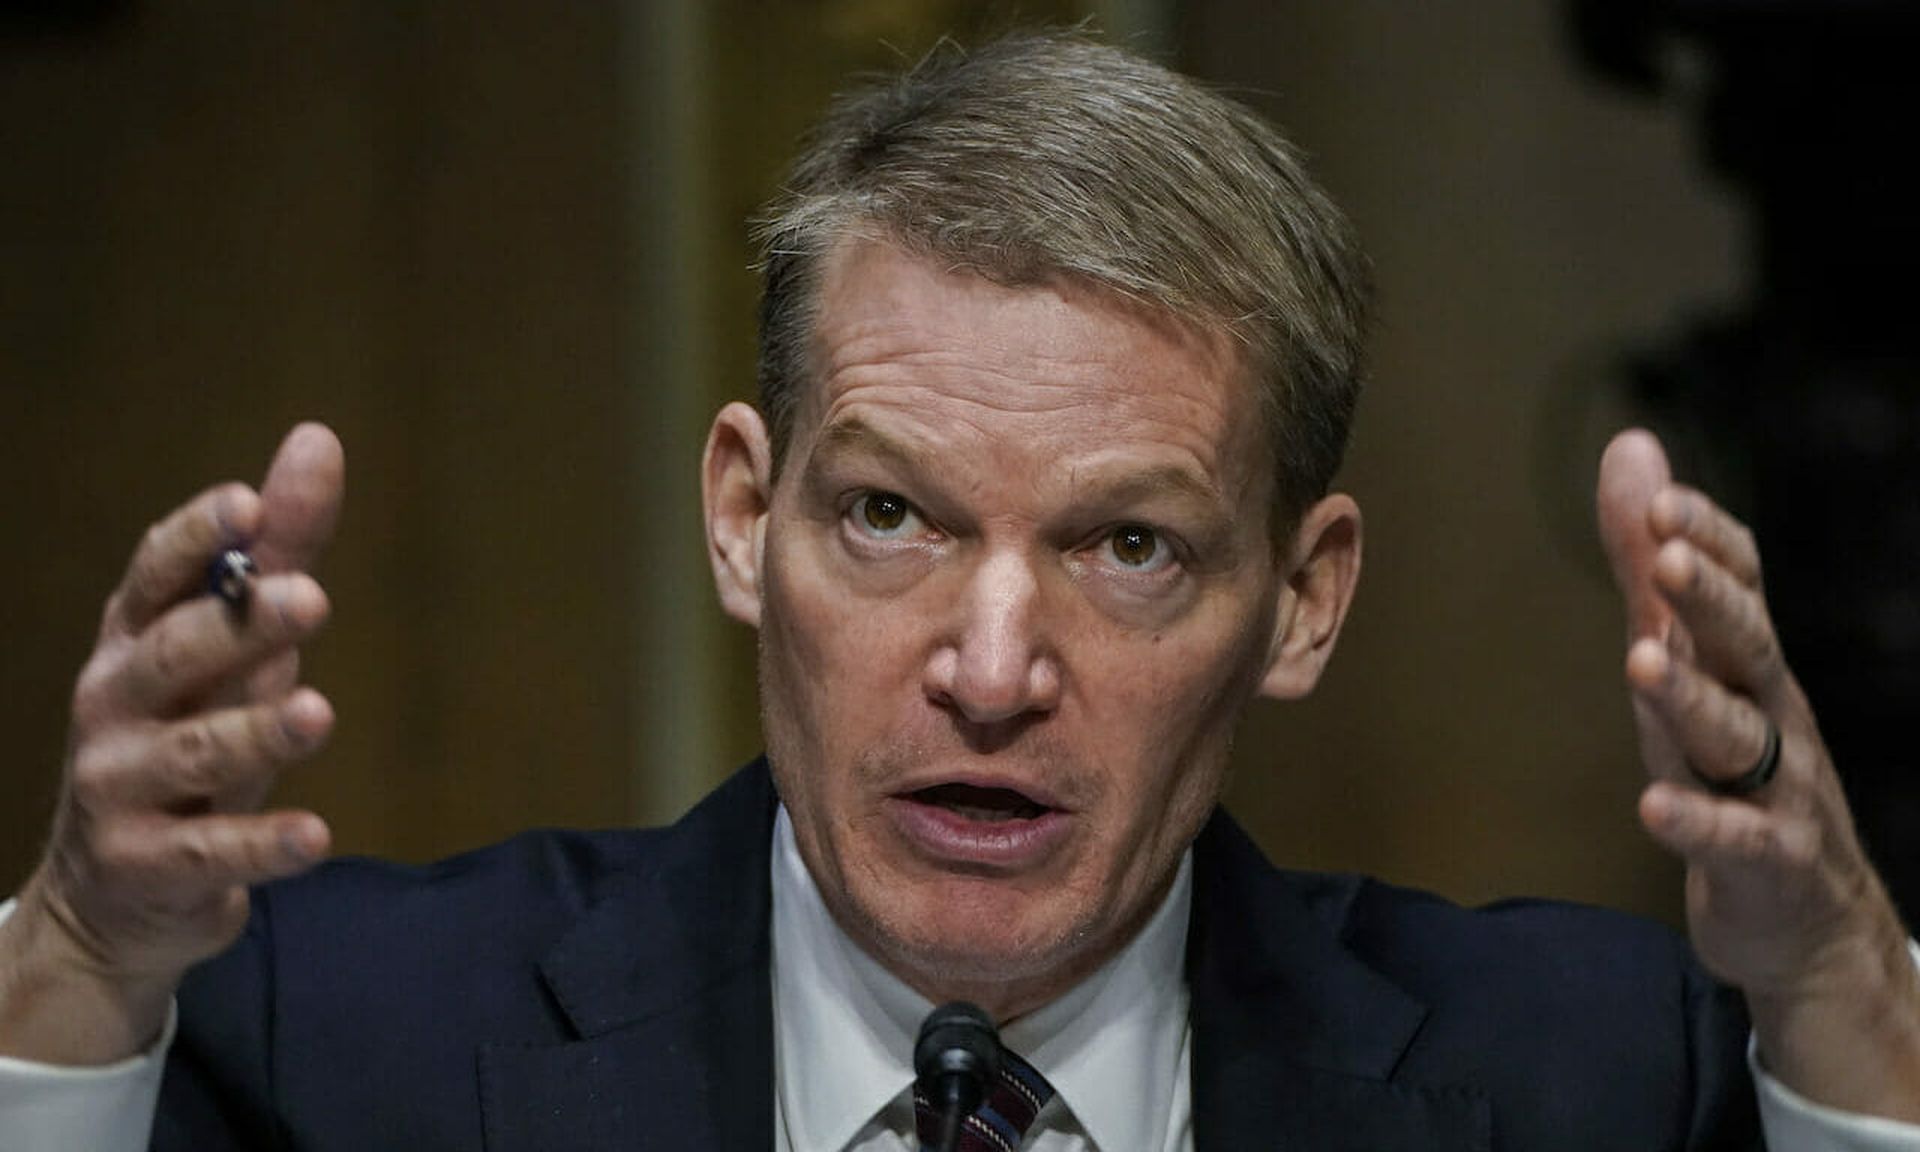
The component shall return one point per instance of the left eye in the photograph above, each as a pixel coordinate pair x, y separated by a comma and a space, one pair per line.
1139, 548
883, 515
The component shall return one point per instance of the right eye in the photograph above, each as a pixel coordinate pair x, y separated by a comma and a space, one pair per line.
883, 516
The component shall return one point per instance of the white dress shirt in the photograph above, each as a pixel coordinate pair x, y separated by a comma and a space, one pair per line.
1116, 1049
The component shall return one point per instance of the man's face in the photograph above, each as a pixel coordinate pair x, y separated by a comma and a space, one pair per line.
1016, 585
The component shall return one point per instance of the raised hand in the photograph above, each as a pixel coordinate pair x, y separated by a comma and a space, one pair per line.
182, 718
1781, 900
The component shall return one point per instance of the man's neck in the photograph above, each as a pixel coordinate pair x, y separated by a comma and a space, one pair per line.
1114, 1044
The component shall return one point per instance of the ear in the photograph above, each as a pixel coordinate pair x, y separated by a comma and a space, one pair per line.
735, 492
1322, 567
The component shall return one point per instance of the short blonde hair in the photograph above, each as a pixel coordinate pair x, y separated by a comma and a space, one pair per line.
1050, 154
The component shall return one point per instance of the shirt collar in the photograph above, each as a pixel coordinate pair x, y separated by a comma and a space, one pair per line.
844, 1026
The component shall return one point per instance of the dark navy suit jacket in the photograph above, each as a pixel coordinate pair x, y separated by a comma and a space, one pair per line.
594, 992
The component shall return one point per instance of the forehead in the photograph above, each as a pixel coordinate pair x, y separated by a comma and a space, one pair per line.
1061, 371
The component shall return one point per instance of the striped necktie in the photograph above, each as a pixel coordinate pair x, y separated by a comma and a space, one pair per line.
1001, 1121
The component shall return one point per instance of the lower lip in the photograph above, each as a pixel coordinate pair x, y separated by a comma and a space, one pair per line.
949, 837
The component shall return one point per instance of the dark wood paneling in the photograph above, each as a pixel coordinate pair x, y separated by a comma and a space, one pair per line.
405, 221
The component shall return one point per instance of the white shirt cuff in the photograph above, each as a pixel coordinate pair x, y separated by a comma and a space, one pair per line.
1793, 1123
46, 1108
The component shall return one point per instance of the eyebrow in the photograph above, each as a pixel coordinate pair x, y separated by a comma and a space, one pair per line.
854, 434
1160, 480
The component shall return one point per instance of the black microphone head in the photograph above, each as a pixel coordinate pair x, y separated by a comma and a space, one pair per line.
957, 1055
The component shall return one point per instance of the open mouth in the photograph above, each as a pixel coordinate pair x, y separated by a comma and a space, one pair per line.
988, 805
983, 827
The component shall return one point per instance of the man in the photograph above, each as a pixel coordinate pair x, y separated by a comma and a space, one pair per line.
1058, 356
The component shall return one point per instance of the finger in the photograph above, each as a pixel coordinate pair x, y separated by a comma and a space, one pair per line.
300, 499
1633, 468
269, 680
1682, 512
1658, 750
180, 863
1726, 619
225, 759
1720, 735
1725, 833
199, 645
171, 561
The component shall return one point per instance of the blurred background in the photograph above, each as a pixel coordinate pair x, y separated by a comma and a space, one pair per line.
500, 247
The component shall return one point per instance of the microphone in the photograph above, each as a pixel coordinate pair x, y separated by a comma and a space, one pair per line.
954, 1060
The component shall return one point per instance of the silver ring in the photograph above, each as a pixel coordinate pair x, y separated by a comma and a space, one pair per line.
1754, 778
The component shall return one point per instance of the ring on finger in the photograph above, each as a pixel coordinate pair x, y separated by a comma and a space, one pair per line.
1754, 778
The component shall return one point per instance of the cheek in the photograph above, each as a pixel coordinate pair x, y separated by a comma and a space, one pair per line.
1178, 685
833, 666
1165, 706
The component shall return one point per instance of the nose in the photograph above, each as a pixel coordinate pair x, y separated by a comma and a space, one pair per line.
994, 662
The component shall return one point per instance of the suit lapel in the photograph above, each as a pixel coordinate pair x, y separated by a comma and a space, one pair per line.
666, 984
1295, 1041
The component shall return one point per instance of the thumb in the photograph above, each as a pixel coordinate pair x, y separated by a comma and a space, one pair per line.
300, 499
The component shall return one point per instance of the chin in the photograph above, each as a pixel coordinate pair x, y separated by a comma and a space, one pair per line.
969, 938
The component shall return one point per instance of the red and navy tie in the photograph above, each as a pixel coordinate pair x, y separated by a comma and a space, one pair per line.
1002, 1120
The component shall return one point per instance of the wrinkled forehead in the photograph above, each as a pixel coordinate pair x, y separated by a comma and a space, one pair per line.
1067, 364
